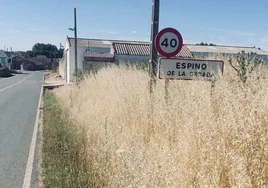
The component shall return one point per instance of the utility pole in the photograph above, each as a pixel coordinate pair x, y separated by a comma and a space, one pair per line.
154, 31
10, 58
60, 51
75, 46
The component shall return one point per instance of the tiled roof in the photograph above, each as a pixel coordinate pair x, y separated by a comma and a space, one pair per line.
143, 49
131, 49
224, 49
98, 56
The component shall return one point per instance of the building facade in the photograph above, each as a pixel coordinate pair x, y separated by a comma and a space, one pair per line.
206, 51
95, 53
3, 59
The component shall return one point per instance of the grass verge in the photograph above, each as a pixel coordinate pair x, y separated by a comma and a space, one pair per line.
200, 138
62, 162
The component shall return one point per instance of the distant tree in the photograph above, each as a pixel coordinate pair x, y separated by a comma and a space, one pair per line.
206, 44
29, 53
49, 50
212, 44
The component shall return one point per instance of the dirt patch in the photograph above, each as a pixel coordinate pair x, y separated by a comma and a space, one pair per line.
53, 80
51, 76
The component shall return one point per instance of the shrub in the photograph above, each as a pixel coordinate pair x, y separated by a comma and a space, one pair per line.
245, 64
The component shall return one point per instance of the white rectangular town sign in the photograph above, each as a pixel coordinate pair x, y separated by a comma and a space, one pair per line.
188, 69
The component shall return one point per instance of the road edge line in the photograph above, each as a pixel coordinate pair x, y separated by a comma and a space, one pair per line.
30, 161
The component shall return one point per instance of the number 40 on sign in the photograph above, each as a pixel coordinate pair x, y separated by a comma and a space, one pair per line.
168, 42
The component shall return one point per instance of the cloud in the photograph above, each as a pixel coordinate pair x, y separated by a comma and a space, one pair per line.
134, 32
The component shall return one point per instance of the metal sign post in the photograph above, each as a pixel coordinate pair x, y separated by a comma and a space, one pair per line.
75, 47
153, 56
153, 52
154, 31
168, 43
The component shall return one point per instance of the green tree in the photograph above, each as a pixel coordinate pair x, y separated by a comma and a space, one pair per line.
49, 50
30, 53
211, 44
206, 44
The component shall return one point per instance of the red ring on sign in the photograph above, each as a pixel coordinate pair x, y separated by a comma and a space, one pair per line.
157, 42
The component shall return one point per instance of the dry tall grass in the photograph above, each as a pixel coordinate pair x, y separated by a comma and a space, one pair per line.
197, 140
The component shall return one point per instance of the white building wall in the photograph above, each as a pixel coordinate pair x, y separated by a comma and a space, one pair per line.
69, 64
71, 67
3, 62
83, 66
131, 58
3, 59
62, 68
81, 51
93, 46
66, 65
80, 59
91, 65
67, 60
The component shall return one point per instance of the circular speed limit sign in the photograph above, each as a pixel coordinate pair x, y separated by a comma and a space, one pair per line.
168, 42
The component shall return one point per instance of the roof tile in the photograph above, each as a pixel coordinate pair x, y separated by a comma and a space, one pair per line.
143, 49
98, 56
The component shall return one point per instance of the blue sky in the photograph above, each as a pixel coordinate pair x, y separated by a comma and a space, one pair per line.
228, 22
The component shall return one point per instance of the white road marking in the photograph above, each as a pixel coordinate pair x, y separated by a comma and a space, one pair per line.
10, 86
29, 167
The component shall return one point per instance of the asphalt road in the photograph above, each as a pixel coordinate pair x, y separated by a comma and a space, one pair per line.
19, 97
